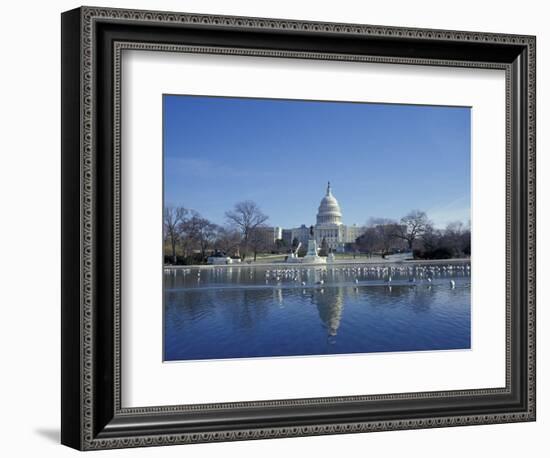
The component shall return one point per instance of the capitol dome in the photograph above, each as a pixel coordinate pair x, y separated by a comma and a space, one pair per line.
329, 210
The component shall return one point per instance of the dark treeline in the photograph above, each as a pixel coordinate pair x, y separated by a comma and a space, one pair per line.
189, 238
415, 233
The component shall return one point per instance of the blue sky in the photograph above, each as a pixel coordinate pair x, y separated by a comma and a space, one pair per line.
382, 160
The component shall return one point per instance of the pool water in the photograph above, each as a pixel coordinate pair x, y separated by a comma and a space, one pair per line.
244, 312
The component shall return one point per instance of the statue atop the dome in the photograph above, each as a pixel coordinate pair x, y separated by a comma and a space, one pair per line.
329, 191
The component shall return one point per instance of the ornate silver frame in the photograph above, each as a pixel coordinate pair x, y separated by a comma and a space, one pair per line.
93, 417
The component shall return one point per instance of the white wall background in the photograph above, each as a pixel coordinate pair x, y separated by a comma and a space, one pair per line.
30, 209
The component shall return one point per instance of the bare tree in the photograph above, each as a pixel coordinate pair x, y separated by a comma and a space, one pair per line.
246, 216
457, 238
258, 240
431, 238
377, 221
380, 235
186, 242
369, 241
200, 231
228, 241
386, 236
412, 226
172, 219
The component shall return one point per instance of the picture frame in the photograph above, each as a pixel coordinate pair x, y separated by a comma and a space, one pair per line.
93, 416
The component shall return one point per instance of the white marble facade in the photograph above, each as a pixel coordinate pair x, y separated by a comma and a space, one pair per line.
328, 226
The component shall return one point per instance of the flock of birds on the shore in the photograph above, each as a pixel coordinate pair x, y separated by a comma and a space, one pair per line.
412, 275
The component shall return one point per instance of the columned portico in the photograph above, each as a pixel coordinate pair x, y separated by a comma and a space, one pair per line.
329, 226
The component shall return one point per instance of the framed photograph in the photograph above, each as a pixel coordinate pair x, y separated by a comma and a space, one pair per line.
276, 228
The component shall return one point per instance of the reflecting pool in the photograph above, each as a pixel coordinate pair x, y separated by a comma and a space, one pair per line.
244, 311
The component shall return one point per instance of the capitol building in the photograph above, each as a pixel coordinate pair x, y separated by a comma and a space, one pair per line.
328, 227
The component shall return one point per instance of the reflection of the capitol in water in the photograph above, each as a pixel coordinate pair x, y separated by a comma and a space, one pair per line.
330, 300
248, 312
330, 305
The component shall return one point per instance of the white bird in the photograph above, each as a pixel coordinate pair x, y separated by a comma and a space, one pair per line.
356, 280
452, 283
303, 283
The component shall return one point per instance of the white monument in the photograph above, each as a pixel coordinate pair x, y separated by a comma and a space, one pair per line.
328, 227
312, 255
293, 256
